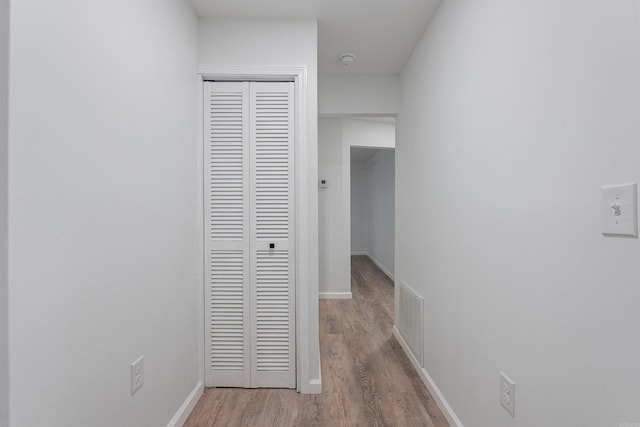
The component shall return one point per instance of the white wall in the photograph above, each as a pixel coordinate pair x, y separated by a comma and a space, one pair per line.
381, 218
102, 201
367, 133
4, 140
333, 203
358, 95
513, 115
239, 44
359, 208
260, 42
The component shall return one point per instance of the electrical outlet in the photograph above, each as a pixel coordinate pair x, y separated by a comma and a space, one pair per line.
507, 394
137, 374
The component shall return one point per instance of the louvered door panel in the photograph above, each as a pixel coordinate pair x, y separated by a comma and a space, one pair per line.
249, 228
272, 163
227, 317
272, 291
273, 331
226, 163
227, 236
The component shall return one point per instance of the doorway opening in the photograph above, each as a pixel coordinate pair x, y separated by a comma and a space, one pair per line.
302, 299
373, 206
337, 136
249, 234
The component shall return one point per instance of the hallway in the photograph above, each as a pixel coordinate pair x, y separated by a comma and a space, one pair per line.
367, 379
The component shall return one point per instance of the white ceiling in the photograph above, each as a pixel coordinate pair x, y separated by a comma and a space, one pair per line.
381, 33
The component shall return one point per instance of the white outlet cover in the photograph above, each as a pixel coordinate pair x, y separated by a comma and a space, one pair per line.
137, 374
619, 210
508, 394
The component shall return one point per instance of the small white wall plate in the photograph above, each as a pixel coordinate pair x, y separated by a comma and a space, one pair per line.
619, 210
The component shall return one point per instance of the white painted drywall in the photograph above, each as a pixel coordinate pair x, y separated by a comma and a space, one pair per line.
358, 95
102, 201
242, 43
4, 141
381, 218
513, 115
333, 204
260, 42
367, 133
359, 208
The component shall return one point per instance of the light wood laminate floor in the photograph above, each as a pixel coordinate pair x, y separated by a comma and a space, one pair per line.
367, 379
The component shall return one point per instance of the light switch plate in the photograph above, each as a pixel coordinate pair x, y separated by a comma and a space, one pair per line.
619, 210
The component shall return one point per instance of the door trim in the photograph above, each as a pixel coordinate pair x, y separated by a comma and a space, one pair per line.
303, 322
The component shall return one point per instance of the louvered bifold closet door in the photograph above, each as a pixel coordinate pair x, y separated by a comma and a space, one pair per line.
227, 238
272, 235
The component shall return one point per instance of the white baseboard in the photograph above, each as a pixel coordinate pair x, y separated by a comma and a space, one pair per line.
359, 253
442, 403
381, 267
315, 386
183, 413
335, 295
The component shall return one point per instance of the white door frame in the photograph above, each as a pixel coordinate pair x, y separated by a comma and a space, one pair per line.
299, 76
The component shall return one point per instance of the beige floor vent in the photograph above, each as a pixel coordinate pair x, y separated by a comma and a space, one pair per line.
411, 311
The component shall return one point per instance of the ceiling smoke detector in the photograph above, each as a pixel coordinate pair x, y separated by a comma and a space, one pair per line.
347, 59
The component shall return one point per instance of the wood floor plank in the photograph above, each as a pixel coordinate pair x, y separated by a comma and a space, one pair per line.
367, 379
